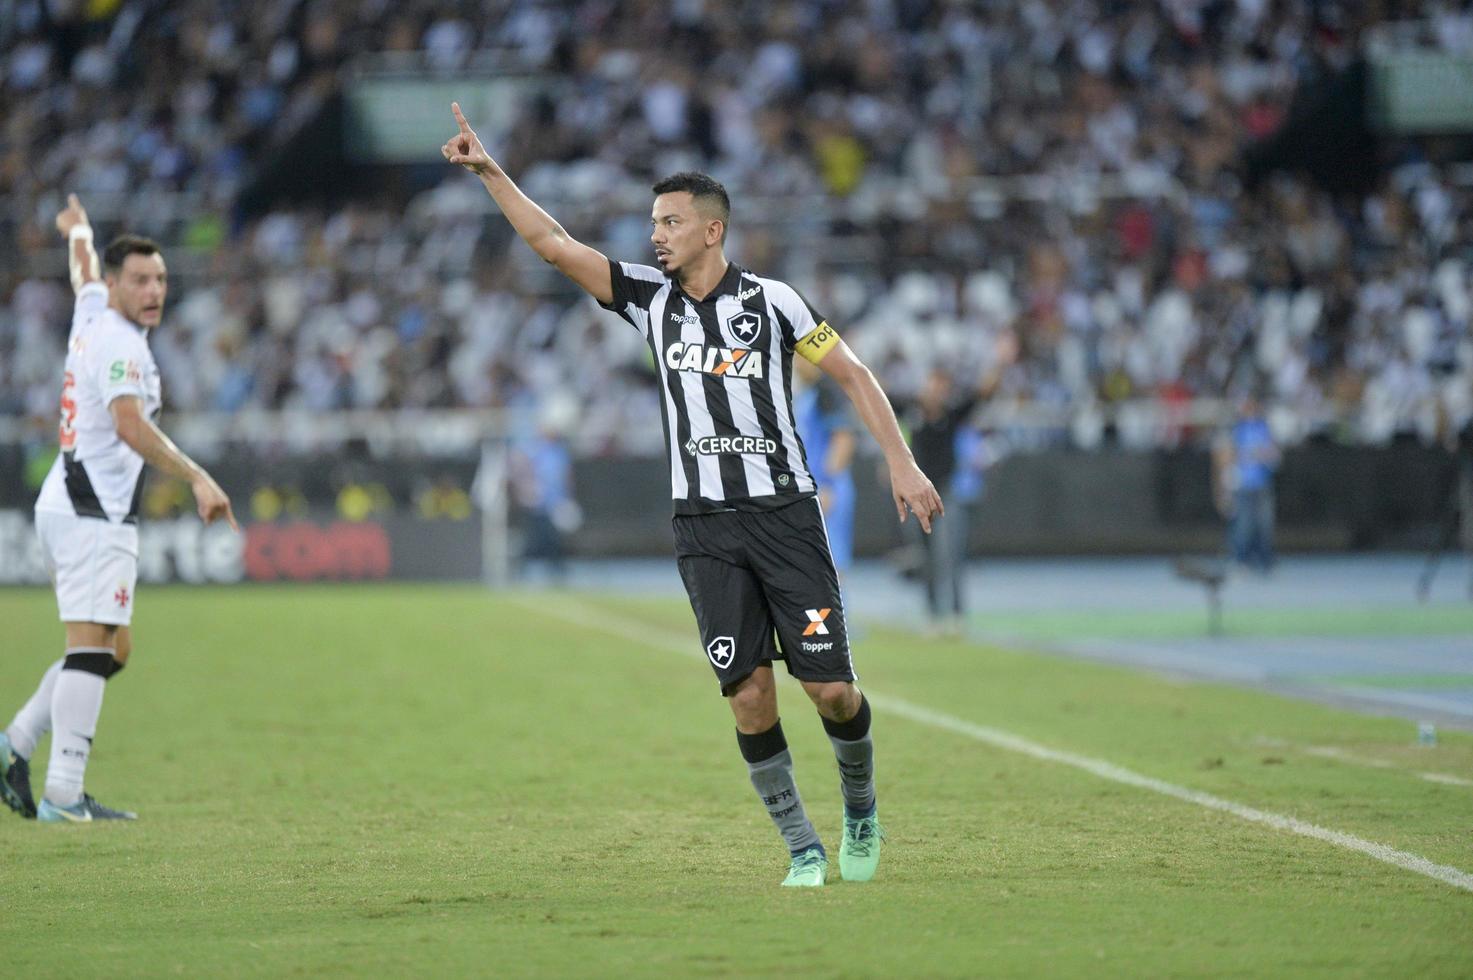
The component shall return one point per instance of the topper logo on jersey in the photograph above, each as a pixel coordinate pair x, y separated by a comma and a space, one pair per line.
744, 327
722, 651
734, 362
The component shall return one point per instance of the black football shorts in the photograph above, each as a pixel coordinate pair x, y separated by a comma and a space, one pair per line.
763, 588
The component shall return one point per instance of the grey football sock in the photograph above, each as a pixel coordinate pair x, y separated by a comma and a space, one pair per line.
855, 752
773, 780
771, 767
856, 775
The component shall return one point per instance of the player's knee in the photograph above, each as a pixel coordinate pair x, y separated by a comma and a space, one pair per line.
835, 700
91, 635
752, 701
122, 644
747, 696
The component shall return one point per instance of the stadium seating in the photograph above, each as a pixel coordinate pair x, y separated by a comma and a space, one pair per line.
1067, 207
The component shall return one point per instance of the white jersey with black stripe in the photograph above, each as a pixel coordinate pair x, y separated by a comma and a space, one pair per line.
97, 474
725, 369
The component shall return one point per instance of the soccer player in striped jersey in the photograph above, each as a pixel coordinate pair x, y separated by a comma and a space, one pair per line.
751, 544
87, 511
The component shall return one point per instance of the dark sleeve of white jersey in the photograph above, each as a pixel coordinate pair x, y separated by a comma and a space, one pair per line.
796, 317
629, 290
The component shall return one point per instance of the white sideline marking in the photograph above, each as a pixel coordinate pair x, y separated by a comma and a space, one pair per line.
1341, 755
645, 635
1107, 770
1437, 777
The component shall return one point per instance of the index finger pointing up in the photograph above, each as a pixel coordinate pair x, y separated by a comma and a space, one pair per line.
465, 127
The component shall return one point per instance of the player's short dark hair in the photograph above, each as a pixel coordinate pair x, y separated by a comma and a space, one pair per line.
701, 187
120, 248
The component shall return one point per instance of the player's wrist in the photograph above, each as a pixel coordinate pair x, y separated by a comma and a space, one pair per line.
898, 458
80, 232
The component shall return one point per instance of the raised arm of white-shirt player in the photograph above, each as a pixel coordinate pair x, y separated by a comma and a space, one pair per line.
81, 257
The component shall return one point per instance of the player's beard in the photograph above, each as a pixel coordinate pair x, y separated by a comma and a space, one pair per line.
145, 318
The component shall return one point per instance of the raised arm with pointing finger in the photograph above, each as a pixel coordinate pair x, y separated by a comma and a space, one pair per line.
587, 267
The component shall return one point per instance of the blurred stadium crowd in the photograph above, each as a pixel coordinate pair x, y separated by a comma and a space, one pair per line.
1050, 193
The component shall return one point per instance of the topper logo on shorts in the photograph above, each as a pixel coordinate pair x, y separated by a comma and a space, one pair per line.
722, 651
816, 627
734, 362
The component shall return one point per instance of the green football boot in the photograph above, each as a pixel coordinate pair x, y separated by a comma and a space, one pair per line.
859, 854
808, 870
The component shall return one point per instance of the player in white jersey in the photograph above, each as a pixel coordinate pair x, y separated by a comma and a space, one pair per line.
87, 512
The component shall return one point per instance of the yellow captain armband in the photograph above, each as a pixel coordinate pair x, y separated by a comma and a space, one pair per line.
818, 343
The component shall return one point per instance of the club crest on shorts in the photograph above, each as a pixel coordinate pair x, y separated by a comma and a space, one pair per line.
722, 651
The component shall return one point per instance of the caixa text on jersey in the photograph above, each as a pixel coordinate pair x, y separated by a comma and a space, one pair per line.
731, 362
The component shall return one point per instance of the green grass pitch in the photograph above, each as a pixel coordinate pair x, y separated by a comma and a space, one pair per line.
394, 781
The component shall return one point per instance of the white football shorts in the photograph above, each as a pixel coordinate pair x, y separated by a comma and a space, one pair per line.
93, 564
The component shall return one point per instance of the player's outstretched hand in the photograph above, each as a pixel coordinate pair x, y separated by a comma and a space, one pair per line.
914, 493
212, 502
465, 149
70, 216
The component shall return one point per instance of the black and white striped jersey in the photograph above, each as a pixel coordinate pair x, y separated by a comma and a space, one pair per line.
726, 381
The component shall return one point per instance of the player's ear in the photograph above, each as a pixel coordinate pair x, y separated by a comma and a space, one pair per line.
715, 231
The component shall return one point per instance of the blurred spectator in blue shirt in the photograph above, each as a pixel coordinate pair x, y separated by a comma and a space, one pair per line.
976, 452
542, 491
1248, 462
827, 429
